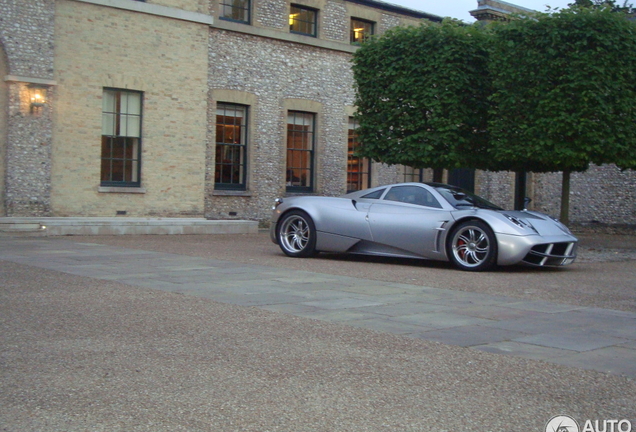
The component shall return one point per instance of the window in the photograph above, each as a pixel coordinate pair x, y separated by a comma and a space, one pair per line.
361, 30
300, 151
231, 147
235, 10
358, 169
374, 195
412, 174
302, 20
412, 195
121, 138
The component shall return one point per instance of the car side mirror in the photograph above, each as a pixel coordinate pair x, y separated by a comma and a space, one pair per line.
526, 201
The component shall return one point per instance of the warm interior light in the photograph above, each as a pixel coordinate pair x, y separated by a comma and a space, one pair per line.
37, 95
292, 18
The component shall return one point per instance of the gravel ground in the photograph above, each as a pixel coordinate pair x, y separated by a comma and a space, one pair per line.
78, 354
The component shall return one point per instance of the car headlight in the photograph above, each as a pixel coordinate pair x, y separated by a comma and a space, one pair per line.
277, 202
561, 225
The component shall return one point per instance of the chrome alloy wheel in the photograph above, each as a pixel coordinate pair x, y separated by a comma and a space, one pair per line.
294, 234
471, 246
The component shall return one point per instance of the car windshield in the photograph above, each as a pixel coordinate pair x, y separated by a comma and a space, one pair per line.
460, 198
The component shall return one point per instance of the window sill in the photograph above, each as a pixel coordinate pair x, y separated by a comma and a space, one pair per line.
222, 192
115, 189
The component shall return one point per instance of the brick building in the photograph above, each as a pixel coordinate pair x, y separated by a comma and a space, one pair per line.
207, 108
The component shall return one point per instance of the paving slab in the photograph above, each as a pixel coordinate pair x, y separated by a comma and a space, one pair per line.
469, 336
572, 339
591, 338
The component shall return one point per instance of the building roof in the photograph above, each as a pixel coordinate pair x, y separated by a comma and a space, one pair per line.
390, 7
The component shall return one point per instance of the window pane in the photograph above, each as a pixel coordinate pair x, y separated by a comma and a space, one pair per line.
300, 145
231, 147
121, 137
302, 20
358, 169
360, 30
236, 10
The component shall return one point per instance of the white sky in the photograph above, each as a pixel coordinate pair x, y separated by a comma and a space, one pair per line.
459, 8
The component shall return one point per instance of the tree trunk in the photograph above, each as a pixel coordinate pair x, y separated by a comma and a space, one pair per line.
565, 198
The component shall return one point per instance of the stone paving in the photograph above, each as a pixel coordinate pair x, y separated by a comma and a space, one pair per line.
590, 338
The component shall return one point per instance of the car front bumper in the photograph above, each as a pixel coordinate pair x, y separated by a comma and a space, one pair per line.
535, 250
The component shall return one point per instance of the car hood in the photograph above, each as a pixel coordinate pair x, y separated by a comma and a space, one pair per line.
541, 223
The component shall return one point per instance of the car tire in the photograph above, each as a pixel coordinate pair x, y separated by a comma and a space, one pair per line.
296, 234
472, 246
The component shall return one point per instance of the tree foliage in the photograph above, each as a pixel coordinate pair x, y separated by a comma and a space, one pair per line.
565, 91
546, 93
422, 96
611, 4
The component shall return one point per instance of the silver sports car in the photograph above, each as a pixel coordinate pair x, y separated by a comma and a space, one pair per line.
421, 220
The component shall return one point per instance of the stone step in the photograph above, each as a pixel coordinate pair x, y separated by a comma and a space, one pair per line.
59, 226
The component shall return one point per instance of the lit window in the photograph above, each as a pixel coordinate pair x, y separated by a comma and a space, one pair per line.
358, 169
121, 138
236, 10
300, 151
302, 20
231, 147
361, 30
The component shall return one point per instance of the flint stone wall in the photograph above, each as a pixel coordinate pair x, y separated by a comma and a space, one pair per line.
27, 44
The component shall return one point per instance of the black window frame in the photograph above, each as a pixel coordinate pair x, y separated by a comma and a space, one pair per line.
109, 158
293, 172
296, 9
238, 181
231, 6
352, 32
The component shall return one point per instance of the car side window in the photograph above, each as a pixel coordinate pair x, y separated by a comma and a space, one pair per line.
374, 195
412, 195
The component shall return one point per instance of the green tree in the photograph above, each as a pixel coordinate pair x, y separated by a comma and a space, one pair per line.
611, 4
421, 96
565, 93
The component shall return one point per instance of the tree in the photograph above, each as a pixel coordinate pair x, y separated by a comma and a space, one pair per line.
421, 96
565, 93
611, 4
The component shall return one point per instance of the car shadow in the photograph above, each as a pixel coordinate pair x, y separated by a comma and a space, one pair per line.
414, 262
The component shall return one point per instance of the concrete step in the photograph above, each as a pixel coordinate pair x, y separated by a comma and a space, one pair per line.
60, 226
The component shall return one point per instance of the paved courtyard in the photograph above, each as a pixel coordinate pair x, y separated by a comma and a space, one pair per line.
456, 340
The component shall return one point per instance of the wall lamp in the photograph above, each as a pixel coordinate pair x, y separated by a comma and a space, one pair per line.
37, 95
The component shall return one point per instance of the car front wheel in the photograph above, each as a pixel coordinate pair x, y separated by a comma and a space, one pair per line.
472, 246
297, 234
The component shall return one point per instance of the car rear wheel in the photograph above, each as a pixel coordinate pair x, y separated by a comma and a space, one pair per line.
472, 246
297, 234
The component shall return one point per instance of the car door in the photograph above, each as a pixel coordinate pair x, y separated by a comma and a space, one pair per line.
409, 218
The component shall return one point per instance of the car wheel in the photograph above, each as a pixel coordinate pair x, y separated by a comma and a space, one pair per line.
297, 234
472, 246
